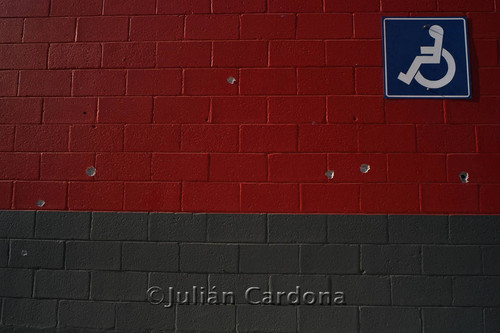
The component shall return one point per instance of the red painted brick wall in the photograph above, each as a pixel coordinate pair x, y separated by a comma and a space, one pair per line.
139, 90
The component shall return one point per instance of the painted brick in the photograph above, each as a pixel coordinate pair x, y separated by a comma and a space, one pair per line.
178, 227
324, 26
353, 53
269, 197
98, 83
210, 82
123, 166
489, 81
125, 110
491, 266
268, 26
163, 257
397, 198
77, 55
44, 83
6, 138
212, 27
129, 7
208, 258
96, 29
268, 138
370, 290
476, 290
268, 81
24, 8
152, 138
488, 139
485, 111
296, 53
154, 82
95, 196
27, 195
30, 312
19, 166
416, 111
239, 110
152, 196
446, 138
269, 259
314, 319
11, 30
61, 284
8, 83
347, 167
465, 5
184, 54
41, 138
166, 167
421, 290
389, 319
156, 28
491, 320
352, 109
483, 25
489, 198
367, 25
266, 319
297, 167
287, 6
75, 7
238, 283
71, 110
118, 286
327, 138
449, 198
209, 138
408, 5
327, 81
23, 56
129, 55
92, 138
238, 167
215, 318
297, 228
138, 316
183, 6
5, 195
451, 260
239, 6
181, 110
240, 54
477, 165
421, 168
391, 259
329, 198
412, 229
458, 320
329, 259
49, 30
93, 255
86, 314
119, 226
474, 230
62, 225
210, 197
16, 282
19, 111
357, 229
41, 254
351, 6
387, 138
369, 81
244, 228
485, 52
17, 224
288, 110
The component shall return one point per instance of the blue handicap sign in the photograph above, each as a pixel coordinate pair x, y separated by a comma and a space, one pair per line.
426, 57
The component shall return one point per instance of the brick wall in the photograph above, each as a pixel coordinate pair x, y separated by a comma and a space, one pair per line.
89, 272
139, 90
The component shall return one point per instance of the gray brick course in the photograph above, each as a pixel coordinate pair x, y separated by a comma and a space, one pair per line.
354, 229
297, 228
240, 228
36, 254
269, 259
119, 226
62, 225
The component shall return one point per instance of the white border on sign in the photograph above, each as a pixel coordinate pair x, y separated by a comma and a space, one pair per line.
427, 96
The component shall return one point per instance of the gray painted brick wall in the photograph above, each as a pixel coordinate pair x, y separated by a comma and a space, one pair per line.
89, 272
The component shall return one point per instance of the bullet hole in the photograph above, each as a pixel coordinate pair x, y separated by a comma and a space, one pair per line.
40, 203
464, 177
355, 118
85, 112
364, 168
329, 174
314, 123
363, 271
91, 171
231, 80
282, 16
24, 253
94, 126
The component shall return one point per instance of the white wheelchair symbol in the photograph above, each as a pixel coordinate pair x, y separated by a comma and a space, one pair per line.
436, 52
